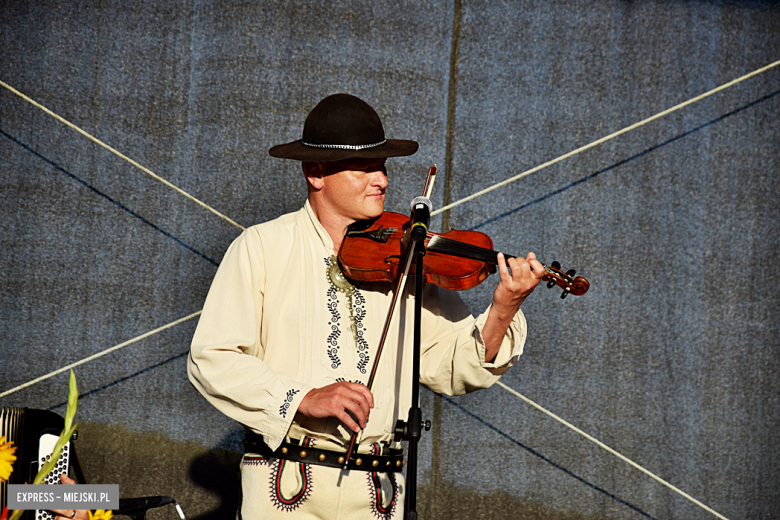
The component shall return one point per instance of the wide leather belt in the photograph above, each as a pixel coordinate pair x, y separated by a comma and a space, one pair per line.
392, 462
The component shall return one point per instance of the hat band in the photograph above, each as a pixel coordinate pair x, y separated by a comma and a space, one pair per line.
344, 146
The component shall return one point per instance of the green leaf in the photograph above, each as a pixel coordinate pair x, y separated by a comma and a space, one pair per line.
67, 433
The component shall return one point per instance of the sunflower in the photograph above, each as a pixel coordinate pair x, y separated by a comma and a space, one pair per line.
7, 458
100, 515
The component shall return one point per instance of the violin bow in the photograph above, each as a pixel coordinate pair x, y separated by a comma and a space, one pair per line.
399, 288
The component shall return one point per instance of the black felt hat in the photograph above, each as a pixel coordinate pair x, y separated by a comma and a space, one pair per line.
342, 126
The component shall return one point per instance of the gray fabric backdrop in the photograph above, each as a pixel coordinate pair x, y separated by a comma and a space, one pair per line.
671, 358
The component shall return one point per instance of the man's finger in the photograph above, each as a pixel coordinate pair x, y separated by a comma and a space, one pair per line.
348, 420
538, 269
365, 392
360, 395
503, 269
536, 265
358, 409
519, 268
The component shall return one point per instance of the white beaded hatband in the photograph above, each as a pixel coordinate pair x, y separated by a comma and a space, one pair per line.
343, 146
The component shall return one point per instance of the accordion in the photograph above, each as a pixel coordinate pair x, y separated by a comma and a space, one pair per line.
34, 433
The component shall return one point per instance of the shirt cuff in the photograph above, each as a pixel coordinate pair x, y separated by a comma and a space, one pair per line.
511, 346
280, 416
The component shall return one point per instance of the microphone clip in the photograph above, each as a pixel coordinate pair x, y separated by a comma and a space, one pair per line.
421, 218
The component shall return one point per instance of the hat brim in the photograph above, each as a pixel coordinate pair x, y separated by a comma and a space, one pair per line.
300, 152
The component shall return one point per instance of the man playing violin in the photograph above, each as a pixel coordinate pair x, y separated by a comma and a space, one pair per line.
285, 343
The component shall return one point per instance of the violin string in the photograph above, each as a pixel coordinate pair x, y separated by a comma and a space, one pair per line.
440, 244
119, 154
604, 139
610, 450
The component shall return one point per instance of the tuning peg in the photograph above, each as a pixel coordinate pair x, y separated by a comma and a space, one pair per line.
555, 265
571, 272
565, 293
551, 284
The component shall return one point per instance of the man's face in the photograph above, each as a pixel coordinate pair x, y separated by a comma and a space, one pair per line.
355, 188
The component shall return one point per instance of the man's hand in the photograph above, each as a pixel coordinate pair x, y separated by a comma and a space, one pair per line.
512, 290
343, 401
514, 287
70, 514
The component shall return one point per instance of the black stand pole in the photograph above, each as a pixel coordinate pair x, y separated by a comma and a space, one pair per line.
414, 423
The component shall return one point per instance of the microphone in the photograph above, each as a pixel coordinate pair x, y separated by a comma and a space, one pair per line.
421, 218
137, 507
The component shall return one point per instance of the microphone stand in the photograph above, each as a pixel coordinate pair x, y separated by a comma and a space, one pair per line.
412, 430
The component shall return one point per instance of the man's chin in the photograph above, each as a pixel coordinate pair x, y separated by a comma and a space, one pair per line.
367, 215
375, 210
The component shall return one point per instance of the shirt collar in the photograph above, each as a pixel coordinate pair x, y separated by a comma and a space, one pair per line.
318, 227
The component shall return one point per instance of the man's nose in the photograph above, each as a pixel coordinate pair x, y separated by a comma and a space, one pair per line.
380, 178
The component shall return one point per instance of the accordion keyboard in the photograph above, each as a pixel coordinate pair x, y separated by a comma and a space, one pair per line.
34, 433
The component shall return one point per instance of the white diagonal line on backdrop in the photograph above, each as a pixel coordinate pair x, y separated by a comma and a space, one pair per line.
613, 452
605, 138
126, 158
445, 208
100, 354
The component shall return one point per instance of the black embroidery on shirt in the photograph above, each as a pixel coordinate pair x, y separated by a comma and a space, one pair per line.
358, 309
333, 337
287, 402
335, 316
360, 340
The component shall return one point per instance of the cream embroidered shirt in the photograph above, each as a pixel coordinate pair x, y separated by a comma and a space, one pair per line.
273, 328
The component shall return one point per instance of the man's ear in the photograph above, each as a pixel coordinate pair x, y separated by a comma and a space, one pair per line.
314, 172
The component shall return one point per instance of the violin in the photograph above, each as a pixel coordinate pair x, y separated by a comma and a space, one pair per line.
373, 251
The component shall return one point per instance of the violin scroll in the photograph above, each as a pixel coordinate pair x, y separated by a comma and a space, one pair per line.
553, 275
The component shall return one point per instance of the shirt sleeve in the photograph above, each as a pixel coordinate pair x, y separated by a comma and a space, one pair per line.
226, 356
452, 348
